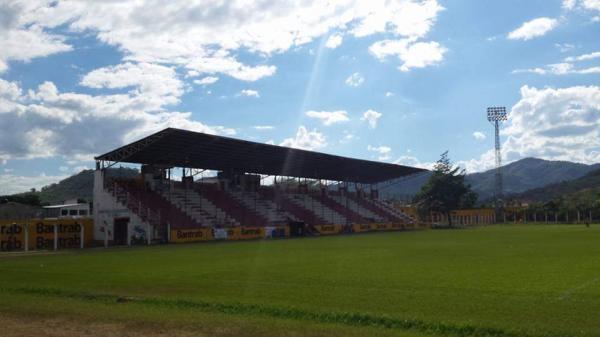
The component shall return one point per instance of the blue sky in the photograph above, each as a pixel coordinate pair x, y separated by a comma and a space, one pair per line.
397, 81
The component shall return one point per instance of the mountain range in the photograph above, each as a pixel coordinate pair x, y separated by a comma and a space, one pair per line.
518, 177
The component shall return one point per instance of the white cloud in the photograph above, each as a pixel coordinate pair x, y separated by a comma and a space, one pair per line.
348, 137
263, 127
559, 69
478, 135
307, 140
201, 36
156, 83
334, 41
569, 4
414, 162
48, 123
549, 123
566, 67
11, 184
405, 18
371, 117
355, 80
249, 93
584, 57
23, 39
533, 28
207, 80
564, 47
389, 94
412, 54
593, 5
329, 117
383, 151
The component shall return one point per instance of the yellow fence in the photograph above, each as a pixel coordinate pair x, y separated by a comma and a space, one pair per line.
234, 233
43, 233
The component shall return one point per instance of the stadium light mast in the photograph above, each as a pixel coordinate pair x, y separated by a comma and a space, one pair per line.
497, 115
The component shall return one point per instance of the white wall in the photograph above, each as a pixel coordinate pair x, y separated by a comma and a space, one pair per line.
106, 208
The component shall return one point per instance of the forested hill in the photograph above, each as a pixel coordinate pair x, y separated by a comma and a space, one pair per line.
78, 186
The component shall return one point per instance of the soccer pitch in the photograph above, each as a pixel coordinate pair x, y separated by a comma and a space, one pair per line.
511, 280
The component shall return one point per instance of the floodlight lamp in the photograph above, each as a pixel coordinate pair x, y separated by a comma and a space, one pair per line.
496, 114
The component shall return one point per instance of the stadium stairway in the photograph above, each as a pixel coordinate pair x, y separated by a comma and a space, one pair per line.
198, 207
265, 207
380, 213
398, 215
316, 207
283, 203
230, 205
339, 207
360, 209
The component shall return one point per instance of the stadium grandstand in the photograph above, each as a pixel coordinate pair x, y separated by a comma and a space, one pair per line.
259, 190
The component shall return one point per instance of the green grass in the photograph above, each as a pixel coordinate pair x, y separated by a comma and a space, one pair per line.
499, 281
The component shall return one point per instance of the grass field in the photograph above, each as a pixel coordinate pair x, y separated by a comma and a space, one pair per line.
498, 281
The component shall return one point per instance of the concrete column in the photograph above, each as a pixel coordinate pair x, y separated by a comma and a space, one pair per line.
128, 236
55, 237
82, 236
26, 236
105, 235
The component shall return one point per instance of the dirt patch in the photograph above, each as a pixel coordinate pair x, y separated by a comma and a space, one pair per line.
13, 326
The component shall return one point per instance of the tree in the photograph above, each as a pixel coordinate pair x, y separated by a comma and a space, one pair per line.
445, 190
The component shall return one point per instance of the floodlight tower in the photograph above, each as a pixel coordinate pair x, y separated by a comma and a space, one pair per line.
497, 115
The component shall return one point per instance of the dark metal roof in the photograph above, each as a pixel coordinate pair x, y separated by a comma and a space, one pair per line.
181, 148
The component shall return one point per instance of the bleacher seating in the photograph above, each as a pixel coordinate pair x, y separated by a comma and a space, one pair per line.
207, 205
200, 208
230, 205
147, 204
263, 206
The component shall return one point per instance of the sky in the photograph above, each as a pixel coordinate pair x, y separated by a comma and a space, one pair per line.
394, 81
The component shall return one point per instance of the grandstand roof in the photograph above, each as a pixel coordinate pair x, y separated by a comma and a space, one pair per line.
181, 148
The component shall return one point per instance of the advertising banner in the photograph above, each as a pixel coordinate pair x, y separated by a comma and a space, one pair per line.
191, 235
277, 232
41, 233
220, 233
361, 228
381, 226
245, 233
328, 229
